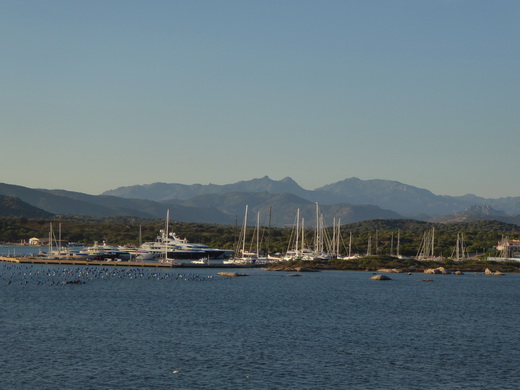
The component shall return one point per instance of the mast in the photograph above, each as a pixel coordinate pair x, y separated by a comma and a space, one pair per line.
338, 237
244, 232
59, 240
50, 238
258, 235
268, 233
303, 235
165, 241
317, 236
334, 237
297, 231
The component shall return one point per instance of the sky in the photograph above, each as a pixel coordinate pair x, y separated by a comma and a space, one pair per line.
99, 94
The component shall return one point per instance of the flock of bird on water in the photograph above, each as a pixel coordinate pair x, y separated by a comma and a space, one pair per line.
28, 274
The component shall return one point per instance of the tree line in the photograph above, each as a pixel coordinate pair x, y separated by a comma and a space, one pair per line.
379, 237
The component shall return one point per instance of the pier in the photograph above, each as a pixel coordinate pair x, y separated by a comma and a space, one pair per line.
147, 264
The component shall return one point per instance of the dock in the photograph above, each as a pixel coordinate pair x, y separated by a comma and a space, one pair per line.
83, 262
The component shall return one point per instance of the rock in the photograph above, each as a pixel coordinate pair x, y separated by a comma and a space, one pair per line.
427, 280
489, 272
380, 277
437, 271
459, 273
444, 271
293, 275
390, 270
303, 269
231, 274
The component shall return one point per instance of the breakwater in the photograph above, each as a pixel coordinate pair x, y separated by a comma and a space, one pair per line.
83, 262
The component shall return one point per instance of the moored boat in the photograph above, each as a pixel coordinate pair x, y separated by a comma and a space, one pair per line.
171, 247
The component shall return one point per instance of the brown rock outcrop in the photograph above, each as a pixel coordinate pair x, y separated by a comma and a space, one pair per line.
380, 277
390, 270
437, 271
489, 272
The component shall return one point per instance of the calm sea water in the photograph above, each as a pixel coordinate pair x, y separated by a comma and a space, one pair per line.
191, 329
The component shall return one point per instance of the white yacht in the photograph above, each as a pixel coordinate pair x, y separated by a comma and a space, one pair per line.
172, 248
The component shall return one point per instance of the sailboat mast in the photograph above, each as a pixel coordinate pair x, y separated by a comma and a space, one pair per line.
338, 237
268, 233
297, 231
258, 235
333, 249
50, 238
244, 232
165, 240
303, 235
317, 238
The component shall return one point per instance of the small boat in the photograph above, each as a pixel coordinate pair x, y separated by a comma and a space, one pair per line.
104, 252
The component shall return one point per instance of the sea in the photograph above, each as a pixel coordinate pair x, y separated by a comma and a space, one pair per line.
88, 327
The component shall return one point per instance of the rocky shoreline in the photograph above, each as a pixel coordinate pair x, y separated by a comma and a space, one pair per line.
392, 266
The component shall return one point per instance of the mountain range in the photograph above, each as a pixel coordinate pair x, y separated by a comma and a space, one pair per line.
350, 200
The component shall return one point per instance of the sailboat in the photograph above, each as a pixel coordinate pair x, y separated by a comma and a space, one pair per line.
298, 251
427, 248
460, 250
243, 256
350, 255
319, 241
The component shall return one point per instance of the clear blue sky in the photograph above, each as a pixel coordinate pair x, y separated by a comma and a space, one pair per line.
100, 94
